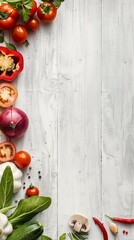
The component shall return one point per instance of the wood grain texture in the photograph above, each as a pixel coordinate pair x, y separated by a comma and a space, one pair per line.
77, 89
79, 113
118, 99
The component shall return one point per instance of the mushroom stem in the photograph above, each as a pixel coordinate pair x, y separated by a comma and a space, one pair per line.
77, 226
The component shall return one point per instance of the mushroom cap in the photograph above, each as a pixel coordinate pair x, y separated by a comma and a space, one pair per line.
79, 223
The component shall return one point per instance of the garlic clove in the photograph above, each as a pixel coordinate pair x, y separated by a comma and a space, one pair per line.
113, 228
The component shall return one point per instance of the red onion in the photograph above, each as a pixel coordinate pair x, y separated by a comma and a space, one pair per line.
13, 122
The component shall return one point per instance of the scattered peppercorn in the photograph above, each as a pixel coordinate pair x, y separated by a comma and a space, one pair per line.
38, 172
39, 177
30, 168
29, 177
16, 201
24, 183
124, 231
24, 187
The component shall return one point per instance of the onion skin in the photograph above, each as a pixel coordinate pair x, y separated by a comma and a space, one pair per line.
13, 122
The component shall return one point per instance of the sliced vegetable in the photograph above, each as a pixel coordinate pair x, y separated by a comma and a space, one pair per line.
13, 122
79, 223
17, 175
8, 94
6, 188
32, 191
7, 151
47, 12
5, 227
28, 231
8, 16
22, 159
11, 64
28, 208
19, 34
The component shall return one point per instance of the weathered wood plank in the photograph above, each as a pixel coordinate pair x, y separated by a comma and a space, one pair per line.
79, 112
118, 100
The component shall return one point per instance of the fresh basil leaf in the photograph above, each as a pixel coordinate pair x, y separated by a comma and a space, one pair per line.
63, 236
10, 46
45, 238
6, 209
6, 188
28, 208
1, 39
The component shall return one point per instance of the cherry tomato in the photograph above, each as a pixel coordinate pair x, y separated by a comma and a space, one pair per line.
8, 16
8, 94
33, 9
7, 151
33, 24
19, 34
46, 12
32, 191
22, 159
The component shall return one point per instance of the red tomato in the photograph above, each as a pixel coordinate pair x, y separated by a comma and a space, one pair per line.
33, 9
8, 16
46, 12
7, 151
33, 24
32, 191
8, 94
22, 159
19, 34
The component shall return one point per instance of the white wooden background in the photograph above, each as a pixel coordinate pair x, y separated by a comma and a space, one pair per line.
77, 88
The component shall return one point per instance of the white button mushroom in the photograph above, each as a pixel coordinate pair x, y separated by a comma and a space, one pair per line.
79, 223
5, 227
17, 174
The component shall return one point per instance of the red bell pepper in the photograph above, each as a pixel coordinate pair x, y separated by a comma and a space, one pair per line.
11, 64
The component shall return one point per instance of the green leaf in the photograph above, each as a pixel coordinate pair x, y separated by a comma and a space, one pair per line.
57, 3
6, 209
10, 46
6, 188
28, 208
45, 238
1, 39
63, 236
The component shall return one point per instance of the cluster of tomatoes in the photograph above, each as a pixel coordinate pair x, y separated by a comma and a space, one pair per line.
9, 16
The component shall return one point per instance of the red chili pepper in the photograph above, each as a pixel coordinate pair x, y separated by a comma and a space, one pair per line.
103, 229
122, 220
11, 64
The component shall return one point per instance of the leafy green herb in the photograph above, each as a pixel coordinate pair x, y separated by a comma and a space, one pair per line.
45, 238
6, 209
74, 236
57, 3
6, 188
23, 7
28, 208
63, 236
10, 46
1, 39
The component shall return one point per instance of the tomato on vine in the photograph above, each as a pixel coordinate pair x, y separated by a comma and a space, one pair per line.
32, 191
33, 24
8, 16
19, 34
22, 159
47, 12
